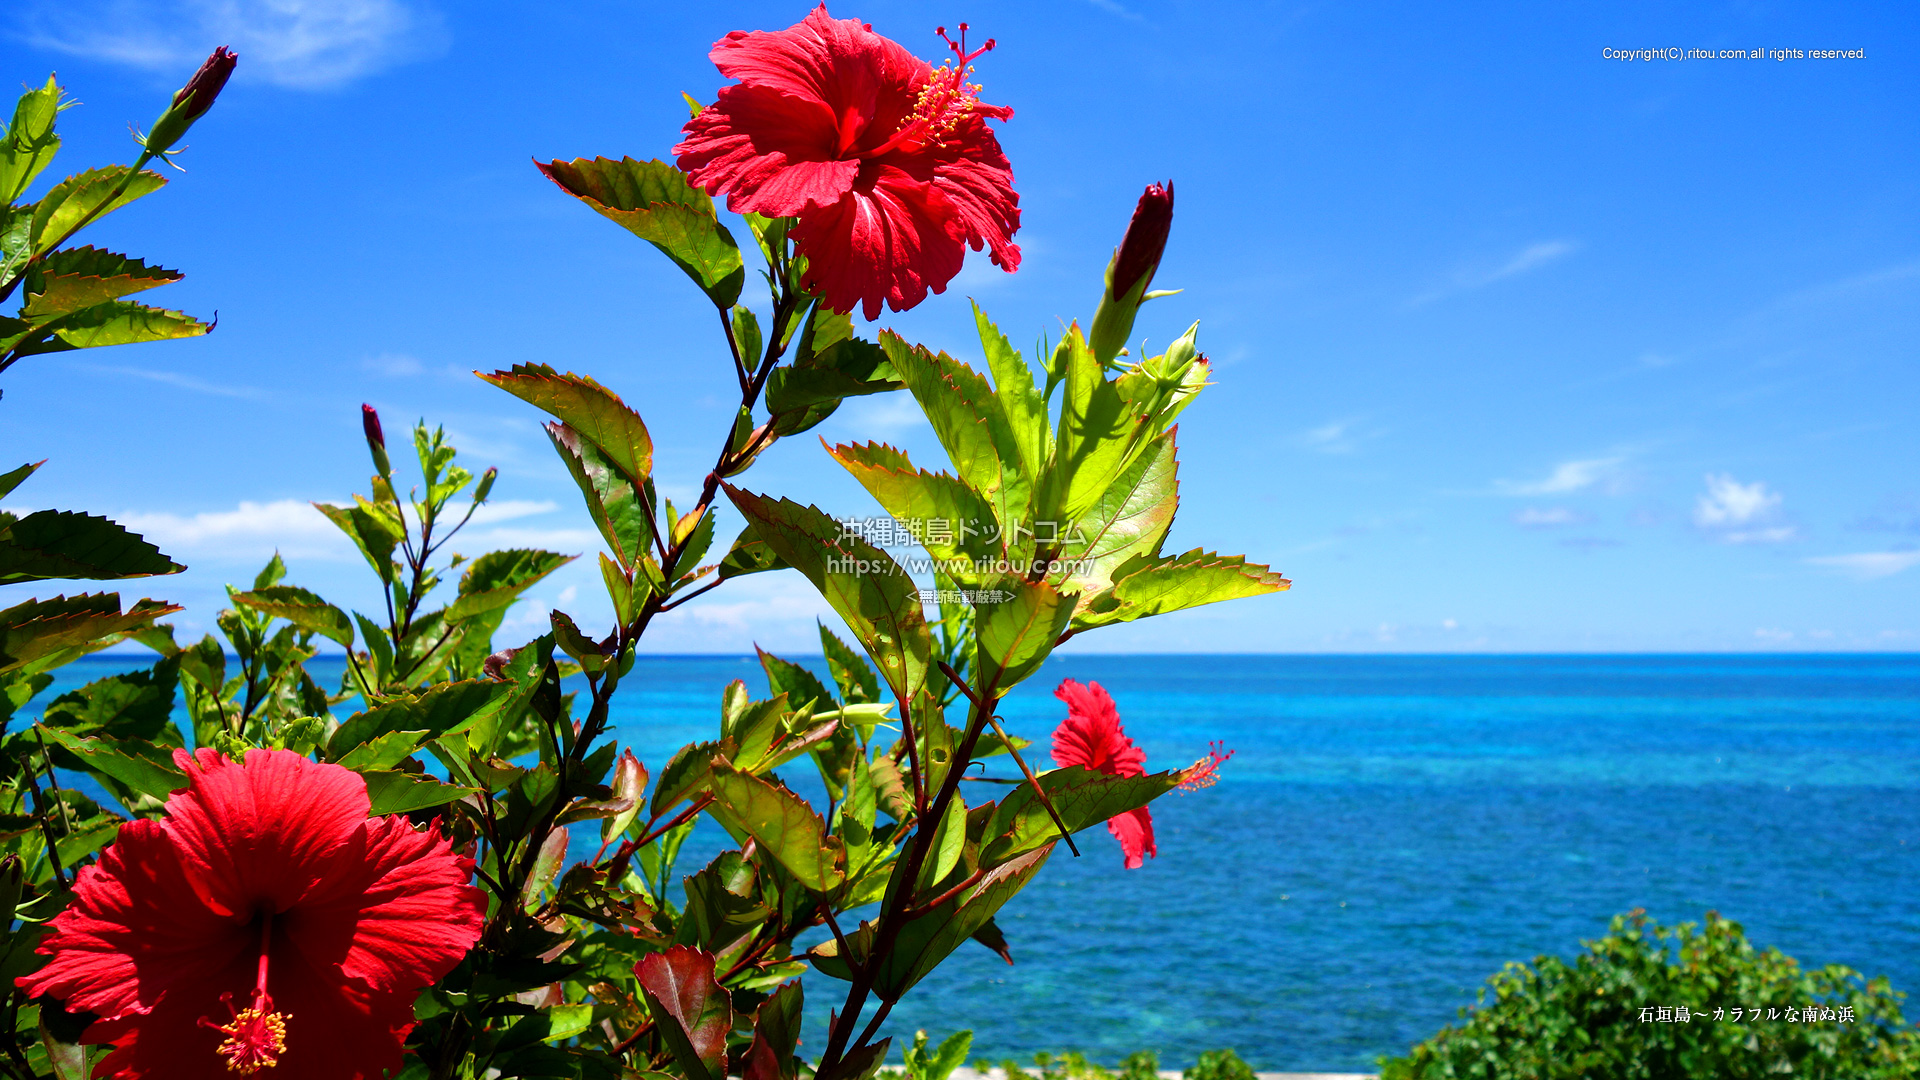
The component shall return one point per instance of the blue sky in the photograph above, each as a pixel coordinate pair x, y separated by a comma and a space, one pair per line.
1517, 347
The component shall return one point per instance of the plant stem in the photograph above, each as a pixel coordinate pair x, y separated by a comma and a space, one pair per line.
46, 826
893, 915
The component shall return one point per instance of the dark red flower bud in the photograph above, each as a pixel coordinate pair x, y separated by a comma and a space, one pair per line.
197, 96
191, 100
1146, 239
376, 441
1130, 274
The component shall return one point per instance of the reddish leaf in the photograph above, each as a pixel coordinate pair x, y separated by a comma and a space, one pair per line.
693, 1013
776, 1031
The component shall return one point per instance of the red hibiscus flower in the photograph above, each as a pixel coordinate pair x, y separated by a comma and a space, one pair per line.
266, 924
886, 161
1091, 737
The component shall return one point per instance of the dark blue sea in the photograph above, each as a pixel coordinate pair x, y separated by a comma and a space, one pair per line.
1392, 829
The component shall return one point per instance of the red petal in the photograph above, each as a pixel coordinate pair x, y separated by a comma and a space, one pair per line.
1091, 735
397, 915
333, 1033
840, 63
768, 153
887, 240
973, 173
267, 831
337, 1032
1134, 830
137, 931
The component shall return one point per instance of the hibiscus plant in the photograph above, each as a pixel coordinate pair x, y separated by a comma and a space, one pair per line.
289, 893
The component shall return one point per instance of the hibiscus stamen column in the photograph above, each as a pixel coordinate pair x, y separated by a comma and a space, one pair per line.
257, 1036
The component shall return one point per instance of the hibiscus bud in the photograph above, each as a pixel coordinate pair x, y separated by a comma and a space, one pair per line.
191, 101
1130, 273
486, 484
376, 442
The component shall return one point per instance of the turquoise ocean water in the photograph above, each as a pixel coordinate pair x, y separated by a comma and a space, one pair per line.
1392, 829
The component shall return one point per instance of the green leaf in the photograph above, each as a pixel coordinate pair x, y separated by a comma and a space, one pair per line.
696, 536
95, 192
654, 201
1083, 797
687, 773
65, 544
1097, 435
1184, 581
594, 411
624, 520
66, 281
691, 1011
955, 524
806, 392
749, 555
850, 672
11, 480
15, 250
1016, 633
41, 628
372, 533
863, 584
140, 765
127, 705
382, 752
924, 942
495, 580
1013, 385
948, 842
400, 792
800, 685
972, 426
117, 322
782, 823
441, 710
30, 142
746, 336
1130, 520
303, 609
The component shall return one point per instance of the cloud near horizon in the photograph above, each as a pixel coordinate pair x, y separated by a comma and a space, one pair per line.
254, 530
301, 44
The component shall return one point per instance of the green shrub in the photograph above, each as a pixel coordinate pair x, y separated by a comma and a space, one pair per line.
1600, 1017
1219, 1065
1140, 1065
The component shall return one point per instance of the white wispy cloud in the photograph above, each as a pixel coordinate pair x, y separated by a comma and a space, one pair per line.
1568, 476
1334, 437
1549, 517
1868, 565
1532, 257
1114, 8
393, 365
174, 378
305, 44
